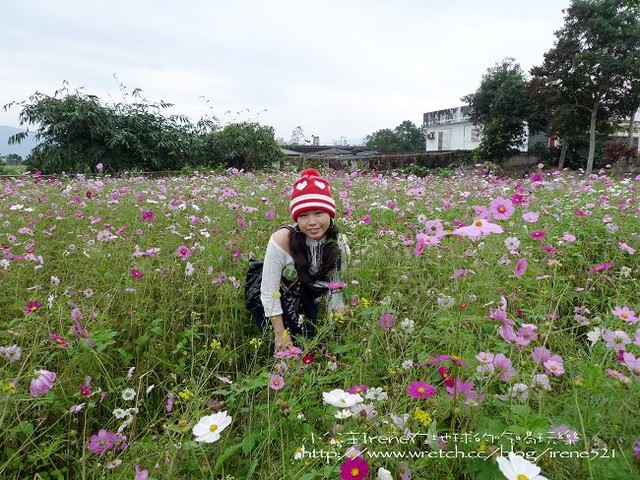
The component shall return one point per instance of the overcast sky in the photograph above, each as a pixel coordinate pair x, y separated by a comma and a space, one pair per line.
335, 68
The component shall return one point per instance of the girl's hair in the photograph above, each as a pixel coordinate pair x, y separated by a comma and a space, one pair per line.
300, 254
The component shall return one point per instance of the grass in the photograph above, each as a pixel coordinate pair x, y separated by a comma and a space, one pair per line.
101, 254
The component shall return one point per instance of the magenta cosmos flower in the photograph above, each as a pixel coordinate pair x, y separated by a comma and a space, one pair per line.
135, 273
601, 267
59, 340
183, 252
501, 208
421, 389
538, 234
355, 468
32, 306
41, 383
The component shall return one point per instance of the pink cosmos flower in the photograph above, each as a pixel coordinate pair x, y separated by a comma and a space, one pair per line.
291, 352
183, 252
434, 228
270, 214
521, 267
485, 357
568, 237
626, 315
42, 383
77, 408
482, 212
530, 217
32, 306
141, 474
554, 365
386, 320
365, 219
636, 450
562, 432
626, 248
100, 442
168, 406
504, 367
336, 286
501, 208
617, 340
424, 240
354, 468
478, 229
276, 382
421, 389
538, 234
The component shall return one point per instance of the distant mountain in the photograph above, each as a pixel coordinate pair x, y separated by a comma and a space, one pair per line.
23, 148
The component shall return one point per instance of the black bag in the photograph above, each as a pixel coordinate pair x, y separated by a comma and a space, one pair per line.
290, 294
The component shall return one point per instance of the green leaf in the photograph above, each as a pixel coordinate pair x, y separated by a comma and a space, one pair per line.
249, 441
229, 452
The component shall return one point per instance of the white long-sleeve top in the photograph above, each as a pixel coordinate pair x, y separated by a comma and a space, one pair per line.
276, 260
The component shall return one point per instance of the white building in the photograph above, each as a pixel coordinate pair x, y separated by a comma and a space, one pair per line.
450, 129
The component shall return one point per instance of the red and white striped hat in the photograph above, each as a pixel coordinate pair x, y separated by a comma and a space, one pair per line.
309, 193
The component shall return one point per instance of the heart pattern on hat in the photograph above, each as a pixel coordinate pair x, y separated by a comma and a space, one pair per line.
320, 185
301, 186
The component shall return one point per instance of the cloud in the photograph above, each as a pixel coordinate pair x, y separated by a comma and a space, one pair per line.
335, 68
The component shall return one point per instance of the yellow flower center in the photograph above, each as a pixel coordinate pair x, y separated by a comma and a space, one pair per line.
182, 423
501, 209
478, 223
355, 472
454, 358
421, 390
522, 476
213, 427
624, 315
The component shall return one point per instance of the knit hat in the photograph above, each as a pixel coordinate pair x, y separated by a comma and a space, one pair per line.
309, 193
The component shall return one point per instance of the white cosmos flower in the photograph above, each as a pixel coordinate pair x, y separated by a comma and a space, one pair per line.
128, 394
340, 398
344, 413
209, 427
384, 474
594, 335
518, 468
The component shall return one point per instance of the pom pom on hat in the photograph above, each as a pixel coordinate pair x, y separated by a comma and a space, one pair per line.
311, 192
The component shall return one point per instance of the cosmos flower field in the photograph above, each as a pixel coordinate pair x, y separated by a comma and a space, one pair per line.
486, 315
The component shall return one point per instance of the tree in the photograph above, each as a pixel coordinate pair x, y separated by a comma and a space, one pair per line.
406, 137
595, 63
297, 136
78, 132
500, 106
12, 159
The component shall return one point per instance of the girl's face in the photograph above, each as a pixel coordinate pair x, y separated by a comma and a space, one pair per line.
314, 224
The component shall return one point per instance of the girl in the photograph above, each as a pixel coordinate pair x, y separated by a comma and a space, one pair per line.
313, 251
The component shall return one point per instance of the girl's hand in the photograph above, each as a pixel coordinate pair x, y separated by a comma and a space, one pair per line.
282, 341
